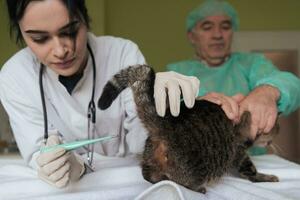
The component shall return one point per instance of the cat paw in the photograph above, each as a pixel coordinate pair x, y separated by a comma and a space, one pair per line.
273, 178
264, 178
201, 190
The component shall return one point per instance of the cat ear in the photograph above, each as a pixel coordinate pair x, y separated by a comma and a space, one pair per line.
245, 124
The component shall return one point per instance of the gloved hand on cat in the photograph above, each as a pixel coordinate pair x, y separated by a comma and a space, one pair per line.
59, 167
174, 83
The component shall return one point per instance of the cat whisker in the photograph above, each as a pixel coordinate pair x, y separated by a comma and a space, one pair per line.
277, 149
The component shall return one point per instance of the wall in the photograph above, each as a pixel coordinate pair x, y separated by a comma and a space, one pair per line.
7, 47
158, 26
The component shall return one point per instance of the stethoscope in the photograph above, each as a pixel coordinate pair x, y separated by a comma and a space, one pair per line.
91, 114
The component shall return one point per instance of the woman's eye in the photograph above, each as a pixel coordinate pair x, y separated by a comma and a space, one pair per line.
39, 39
71, 32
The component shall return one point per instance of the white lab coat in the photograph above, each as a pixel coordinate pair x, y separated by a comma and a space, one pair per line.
20, 95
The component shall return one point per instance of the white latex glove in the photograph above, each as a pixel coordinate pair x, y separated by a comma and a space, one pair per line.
59, 167
174, 83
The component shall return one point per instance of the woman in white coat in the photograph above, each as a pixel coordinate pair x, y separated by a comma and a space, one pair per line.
65, 57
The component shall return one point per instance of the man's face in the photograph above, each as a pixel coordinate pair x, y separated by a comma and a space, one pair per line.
212, 38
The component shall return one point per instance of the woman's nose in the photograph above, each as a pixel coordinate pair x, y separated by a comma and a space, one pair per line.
59, 49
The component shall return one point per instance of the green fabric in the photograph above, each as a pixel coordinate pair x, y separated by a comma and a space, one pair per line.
210, 8
241, 73
256, 151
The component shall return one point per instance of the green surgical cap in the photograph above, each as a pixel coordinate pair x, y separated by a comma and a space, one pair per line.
210, 8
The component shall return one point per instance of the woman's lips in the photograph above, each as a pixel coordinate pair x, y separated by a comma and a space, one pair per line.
65, 64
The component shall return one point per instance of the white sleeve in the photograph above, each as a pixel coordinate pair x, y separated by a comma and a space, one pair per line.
25, 116
131, 55
136, 133
25, 120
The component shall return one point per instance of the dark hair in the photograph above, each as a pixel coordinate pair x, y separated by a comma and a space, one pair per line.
16, 8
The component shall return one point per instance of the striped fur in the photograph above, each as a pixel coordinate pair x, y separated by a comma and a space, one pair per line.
193, 149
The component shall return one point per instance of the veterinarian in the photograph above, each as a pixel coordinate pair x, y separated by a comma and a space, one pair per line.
49, 89
225, 75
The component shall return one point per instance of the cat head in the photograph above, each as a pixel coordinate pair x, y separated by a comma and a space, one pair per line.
262, 139
266, 139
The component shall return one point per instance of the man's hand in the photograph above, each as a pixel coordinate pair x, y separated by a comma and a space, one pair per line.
59, 167
174, 84
262, 104
230, 105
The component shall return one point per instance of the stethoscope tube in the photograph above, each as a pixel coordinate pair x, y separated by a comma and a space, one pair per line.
43, 102
91, 106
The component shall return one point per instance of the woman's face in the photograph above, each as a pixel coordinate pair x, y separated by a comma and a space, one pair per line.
56, 41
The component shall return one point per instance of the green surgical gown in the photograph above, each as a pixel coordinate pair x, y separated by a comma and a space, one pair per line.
241, 73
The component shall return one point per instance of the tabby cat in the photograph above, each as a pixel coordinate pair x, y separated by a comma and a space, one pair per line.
193, 149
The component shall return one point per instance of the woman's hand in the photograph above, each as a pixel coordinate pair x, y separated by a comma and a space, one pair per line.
59, 167
175, 84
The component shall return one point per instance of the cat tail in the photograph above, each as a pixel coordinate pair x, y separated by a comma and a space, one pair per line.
140, 78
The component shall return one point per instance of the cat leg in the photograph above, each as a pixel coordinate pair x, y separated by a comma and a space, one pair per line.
195, 184
201, 189
195, 187
154, 162
247, 170
152, 174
